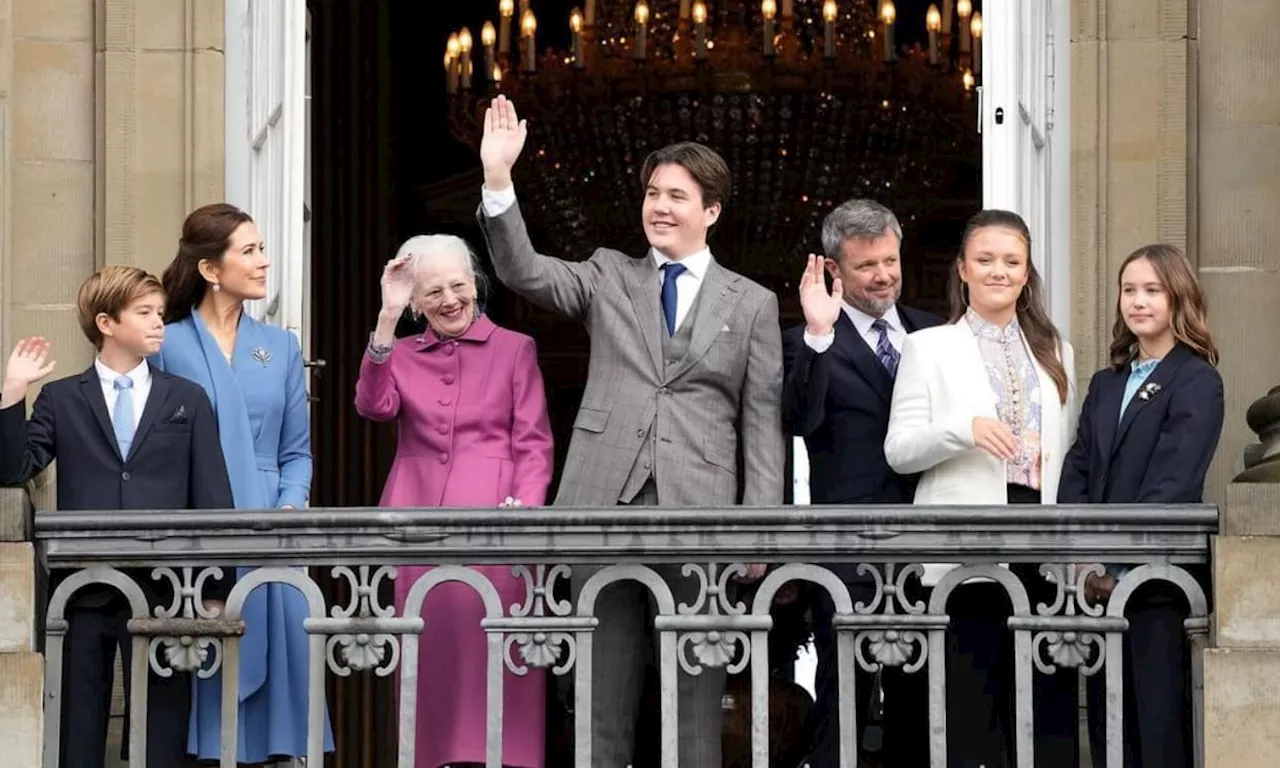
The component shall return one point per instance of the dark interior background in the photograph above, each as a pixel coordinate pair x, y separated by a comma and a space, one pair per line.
386, 166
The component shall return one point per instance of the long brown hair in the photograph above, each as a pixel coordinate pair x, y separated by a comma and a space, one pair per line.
206, 236
1187, 316
1042, 337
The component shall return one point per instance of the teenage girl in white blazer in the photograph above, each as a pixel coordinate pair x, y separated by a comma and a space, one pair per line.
983, 410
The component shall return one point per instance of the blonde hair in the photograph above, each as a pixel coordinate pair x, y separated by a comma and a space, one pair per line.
110, 291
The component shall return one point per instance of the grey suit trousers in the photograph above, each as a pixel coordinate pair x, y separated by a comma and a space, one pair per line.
626, 611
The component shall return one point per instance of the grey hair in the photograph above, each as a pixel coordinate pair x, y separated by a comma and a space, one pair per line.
857, 219
428, 248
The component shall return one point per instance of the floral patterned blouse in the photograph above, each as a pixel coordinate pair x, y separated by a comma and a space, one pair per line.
1016, 384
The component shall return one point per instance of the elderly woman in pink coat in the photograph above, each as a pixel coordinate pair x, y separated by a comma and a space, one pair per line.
473, 432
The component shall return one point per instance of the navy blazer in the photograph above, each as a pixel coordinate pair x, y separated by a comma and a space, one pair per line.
1159, 452
174, 463
838, 401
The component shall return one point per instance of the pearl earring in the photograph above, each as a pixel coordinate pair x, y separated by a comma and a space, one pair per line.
216, 287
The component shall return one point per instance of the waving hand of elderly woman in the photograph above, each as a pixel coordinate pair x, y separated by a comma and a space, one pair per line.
473, 432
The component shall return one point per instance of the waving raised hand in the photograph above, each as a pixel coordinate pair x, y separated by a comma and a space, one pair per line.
821, 307
504, 136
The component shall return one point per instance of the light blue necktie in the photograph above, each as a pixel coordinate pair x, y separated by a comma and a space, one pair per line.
671, 270
122, 419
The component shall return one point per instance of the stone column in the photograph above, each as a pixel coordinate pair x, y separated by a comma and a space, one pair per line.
21, 665
1242, 670
161, 85
1238, 195
1129, 151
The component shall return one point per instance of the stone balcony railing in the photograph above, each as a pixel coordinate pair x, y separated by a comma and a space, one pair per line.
363, 547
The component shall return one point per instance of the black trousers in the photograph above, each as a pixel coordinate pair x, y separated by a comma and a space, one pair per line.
1157, 684
905, 704
93, 636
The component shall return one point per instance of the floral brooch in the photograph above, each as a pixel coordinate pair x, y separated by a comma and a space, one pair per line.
1148, 391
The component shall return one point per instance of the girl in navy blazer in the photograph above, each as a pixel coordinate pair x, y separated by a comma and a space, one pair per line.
1147, 432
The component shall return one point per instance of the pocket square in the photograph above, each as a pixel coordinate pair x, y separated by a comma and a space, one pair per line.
722, 330
178, 417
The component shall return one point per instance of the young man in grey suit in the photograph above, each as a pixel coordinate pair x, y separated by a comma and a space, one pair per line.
685, 373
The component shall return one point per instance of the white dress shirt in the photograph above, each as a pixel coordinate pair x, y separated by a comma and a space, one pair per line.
862, 322
687, 284
141, 388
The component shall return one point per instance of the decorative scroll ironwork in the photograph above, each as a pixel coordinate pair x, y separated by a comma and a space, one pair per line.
541, 647
708, 631
186, 653
893, 644
714, 647
1072, 646
363, 650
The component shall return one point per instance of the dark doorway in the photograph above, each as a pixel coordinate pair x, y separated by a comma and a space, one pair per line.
386, 166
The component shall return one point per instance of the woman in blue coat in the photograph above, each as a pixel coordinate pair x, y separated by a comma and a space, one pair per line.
254, 376
1147, 432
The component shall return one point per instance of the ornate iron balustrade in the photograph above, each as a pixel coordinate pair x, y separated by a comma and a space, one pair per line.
363, 546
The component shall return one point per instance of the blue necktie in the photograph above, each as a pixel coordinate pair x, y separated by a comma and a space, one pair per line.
884, 350
122, 419
671, 270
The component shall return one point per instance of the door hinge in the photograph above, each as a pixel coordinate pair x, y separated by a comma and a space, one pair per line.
1051, 76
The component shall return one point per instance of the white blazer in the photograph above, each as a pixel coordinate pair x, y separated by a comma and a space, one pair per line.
941, 387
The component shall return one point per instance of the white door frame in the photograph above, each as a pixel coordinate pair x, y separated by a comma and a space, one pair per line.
1006, 69
266, 102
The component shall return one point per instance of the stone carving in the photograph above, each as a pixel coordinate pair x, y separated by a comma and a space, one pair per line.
1262, 459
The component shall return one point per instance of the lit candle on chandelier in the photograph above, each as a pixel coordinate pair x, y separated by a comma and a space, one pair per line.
575, 26
506, 9
968, 80
888, 15
488, 37
528, 25
699, 30
465, 70
964, 8
768, 9
451, 64
642, 28
975, 28
933, 22
829, 13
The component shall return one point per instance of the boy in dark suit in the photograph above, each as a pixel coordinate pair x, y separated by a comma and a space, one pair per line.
125, 436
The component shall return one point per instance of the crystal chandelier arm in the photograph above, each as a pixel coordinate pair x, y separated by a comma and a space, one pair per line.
562, 286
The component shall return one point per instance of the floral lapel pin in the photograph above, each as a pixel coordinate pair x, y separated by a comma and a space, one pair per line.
1149, 390
262, 355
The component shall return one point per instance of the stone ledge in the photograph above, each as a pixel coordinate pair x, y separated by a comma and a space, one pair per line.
16, 515
21, 709
1241, 707
1252, 509
18, 606
1246, 602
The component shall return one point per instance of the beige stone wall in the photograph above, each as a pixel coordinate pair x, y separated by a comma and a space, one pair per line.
49, 124
1238, 200
1176, 137
1129, 161
160, 65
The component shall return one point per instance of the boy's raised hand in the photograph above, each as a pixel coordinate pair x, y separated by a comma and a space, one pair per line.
28, 364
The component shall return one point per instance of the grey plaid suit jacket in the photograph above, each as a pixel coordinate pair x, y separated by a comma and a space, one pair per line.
725, 394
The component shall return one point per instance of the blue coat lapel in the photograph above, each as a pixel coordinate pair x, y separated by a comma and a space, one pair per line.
234, 425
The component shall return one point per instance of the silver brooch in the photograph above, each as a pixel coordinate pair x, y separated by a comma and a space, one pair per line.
1149, 390
262, 355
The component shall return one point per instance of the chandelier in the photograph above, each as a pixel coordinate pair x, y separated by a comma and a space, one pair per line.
810, 102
